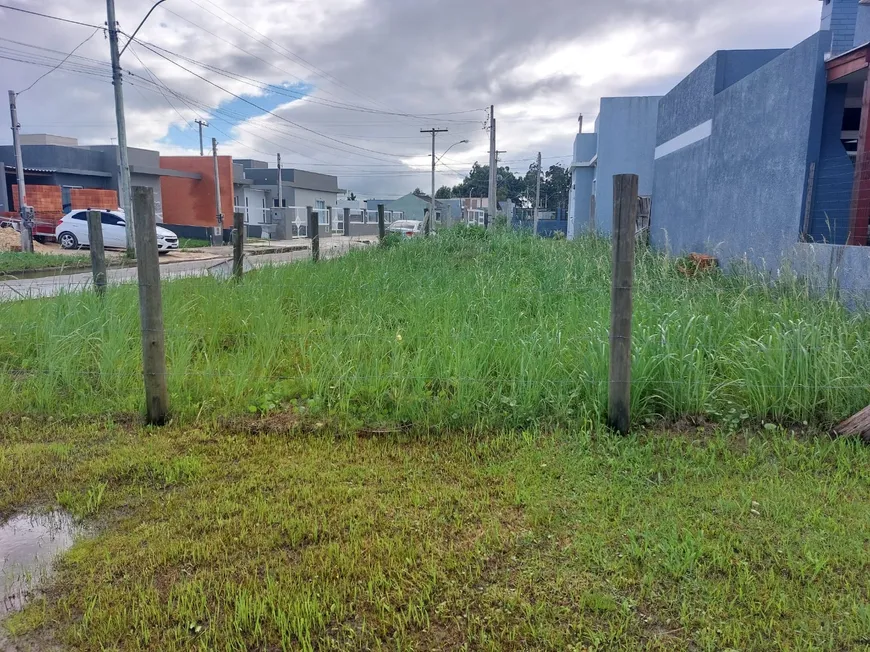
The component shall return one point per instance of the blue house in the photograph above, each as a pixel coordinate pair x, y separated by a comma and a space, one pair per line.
623, 143
764, 155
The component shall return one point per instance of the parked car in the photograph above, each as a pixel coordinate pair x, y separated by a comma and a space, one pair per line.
72, 232
406, 228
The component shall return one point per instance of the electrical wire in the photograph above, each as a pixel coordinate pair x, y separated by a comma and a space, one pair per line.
43, 76
41, 15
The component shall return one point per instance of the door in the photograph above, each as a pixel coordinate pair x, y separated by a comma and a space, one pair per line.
114, 233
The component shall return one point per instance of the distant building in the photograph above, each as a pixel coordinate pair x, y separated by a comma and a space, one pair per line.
758, 155
416, 207
56, 161
623, 143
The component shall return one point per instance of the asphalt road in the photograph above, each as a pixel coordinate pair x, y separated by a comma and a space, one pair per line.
52, 285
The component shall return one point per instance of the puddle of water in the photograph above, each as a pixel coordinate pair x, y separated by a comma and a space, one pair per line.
29, 544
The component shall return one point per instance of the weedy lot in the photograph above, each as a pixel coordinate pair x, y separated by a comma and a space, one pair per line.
401, 449
473, 330
259, 535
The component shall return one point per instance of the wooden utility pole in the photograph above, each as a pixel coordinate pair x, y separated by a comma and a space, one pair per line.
537, 193
624, 225
150, 308
314, 232
430, 221
280, 183
382, 227
98, 251
218, 238
346, 221
201, 124
492, 202
238, 245
26, 222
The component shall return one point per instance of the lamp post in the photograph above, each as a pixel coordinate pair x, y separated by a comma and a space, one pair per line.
124, 161
432, 205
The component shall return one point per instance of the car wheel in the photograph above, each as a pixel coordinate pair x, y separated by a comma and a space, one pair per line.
68, 241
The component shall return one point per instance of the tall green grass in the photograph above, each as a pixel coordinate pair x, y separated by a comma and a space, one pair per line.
466, 329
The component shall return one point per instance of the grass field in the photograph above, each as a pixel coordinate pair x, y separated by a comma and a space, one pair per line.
468, 331
402, 449
21, 262
192, 243
253, 535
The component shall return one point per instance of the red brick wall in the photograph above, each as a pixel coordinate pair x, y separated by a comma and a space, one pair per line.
44, 199
82, 198
191, 201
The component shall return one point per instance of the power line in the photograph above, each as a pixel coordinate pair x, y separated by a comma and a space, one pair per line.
41, 15
66, 58
267, 111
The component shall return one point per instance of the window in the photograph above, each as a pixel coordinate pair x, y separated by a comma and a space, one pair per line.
437, 216
319, 204
110, 219
81, 215
275, 205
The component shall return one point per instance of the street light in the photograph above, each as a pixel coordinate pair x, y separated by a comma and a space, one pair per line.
124, 185
432, 203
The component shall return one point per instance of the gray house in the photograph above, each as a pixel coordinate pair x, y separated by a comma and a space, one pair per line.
416, 207
58, 161
623, 143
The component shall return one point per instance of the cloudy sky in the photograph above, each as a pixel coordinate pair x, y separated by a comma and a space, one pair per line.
344, 86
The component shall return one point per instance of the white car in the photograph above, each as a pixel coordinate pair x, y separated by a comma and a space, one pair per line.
406, 228
72, 232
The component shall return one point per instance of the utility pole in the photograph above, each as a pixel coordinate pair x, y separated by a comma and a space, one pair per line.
431, 219
624, 226
26, 222
219, 232
201, 124
537, 193
492, 202
124, 163
151, 311
280, 184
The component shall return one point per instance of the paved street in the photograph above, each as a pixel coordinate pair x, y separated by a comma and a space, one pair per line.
52, 285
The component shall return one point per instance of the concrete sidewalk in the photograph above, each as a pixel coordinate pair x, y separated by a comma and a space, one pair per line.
276, 253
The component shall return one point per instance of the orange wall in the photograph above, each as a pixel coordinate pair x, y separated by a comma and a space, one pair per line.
44, 199
191, 201
82, 198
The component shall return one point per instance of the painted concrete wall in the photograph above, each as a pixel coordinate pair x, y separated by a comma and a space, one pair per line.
862, 25
840, 17
412, 206
835, 171
192, 201
626, 129
582, 176
302, 197
740, 192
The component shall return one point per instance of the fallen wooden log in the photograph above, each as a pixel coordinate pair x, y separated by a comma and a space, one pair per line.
856, 426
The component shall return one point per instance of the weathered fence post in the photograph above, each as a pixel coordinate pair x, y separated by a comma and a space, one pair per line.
98, 251
238, 244
624, 218
314, 232
150, 307
382, 227
347, 222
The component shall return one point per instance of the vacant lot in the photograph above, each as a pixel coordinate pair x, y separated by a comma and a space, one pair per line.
466, 332
401, 449
254, 535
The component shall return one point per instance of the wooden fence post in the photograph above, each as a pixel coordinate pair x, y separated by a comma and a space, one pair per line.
98, 251
314, 232
382, 227
347, 222
238, 244
624, 218
150, 307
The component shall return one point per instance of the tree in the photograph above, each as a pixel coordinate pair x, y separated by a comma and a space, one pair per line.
444, 192
557, 182
352, 197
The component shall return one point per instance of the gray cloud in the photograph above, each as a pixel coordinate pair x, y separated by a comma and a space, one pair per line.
541, 64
